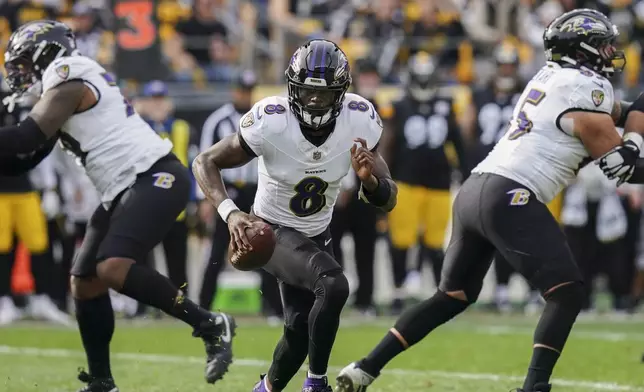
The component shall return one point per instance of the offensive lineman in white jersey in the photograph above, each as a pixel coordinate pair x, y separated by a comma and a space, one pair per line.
143, 188
306, 144
564, 119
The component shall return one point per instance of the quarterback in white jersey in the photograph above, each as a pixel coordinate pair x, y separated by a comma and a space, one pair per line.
306, 143
143, 188
566, 117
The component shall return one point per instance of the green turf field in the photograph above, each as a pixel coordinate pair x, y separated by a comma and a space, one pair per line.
477, 353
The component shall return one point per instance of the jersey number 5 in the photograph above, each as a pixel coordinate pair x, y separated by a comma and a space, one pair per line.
524, 124
309, 198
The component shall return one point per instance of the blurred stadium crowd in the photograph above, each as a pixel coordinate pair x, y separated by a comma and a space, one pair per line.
193, 67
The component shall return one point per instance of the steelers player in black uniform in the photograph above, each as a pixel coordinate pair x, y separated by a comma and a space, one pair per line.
486, 121
492, 105
22, 219
418, 129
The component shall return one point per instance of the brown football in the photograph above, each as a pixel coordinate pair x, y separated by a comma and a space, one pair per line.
262, 239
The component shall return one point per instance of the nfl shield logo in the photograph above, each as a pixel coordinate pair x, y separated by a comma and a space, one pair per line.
317, 155
598, 97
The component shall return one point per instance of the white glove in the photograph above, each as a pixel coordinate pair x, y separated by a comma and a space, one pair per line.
50, 204
620, 161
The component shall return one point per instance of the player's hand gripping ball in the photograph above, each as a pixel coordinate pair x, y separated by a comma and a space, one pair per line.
252, 242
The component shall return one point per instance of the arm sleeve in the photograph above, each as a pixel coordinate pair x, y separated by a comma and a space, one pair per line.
251, 128
11, 165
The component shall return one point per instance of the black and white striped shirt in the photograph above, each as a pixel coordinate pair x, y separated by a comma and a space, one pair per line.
221, 123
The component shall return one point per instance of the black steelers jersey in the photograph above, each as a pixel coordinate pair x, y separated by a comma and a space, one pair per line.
422, 131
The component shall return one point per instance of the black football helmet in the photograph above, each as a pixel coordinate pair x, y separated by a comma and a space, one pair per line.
584, 37
31, 48
318, 76
421, 78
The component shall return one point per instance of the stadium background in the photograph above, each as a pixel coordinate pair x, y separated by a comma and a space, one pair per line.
199, 47
144, 40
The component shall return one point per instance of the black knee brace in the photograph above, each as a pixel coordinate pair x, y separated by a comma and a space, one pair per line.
569, 296
563, 304
333, 287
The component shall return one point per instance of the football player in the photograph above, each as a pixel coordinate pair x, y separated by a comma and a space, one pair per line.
492, 106
565, 117
143, 189
419, 127
306, 143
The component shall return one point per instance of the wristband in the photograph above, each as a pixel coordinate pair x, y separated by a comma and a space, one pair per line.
226, 208
379, 196
635, 138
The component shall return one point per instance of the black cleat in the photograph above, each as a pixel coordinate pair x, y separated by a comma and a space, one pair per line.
541, 387
95, 384
218, 339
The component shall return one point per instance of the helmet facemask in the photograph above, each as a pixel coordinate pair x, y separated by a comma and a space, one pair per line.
20, 75
317, 106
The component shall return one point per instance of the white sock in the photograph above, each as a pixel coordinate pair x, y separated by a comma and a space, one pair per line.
311, 375
266, 383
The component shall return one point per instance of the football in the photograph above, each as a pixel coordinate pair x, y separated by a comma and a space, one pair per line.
262, 239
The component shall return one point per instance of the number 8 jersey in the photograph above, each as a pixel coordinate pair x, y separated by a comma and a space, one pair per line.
110, 140
299, 182
537, 151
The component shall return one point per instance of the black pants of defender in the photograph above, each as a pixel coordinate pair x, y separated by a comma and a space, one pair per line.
594, 257
491, 213
359, 219
271, 304
175, 247
139, 218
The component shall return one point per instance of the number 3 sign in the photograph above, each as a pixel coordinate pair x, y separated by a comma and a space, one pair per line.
137, 29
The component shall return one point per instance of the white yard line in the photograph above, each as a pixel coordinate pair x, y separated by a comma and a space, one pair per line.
258, 363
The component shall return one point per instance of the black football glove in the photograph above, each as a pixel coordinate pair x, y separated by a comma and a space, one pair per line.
620, 161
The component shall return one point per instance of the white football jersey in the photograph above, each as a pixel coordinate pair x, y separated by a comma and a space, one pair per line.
112, 142
537, 151
298, 181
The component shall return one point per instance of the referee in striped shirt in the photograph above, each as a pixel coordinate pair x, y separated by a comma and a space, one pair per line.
241, 184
